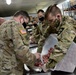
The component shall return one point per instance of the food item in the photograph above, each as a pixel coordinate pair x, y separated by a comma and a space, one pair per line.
45, 58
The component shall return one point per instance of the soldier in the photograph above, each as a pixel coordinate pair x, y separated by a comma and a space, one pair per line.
66, 33
14, 51
37, 31
40, 14
2, 20
50, 28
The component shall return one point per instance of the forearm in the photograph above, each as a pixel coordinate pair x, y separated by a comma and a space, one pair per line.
40, 44
25, 56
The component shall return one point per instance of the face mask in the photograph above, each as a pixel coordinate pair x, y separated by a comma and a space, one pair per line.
24, 24
41, 19
57, 23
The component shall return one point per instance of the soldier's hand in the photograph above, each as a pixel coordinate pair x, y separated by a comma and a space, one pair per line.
38, 55
35, 23
32, 40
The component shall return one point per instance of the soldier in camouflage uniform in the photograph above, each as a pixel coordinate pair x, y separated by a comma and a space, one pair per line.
2, 20
50, 29
40, 28
37, 30
66, 33
14, 51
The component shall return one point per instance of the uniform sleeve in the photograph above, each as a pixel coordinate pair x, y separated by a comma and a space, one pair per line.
49, 30
21, 50
36, 34
40, 44
66, 37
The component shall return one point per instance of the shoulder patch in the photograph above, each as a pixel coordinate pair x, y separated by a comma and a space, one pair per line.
23, 31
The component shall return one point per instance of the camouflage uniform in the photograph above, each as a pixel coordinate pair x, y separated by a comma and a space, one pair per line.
38, 31
66, 35
50, 29
14, 51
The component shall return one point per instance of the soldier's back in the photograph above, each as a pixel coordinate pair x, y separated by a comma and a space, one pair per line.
8, 61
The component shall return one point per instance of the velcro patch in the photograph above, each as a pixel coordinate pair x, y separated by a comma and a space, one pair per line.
23, 31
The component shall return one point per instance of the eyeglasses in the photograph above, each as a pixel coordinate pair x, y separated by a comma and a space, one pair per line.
24, 19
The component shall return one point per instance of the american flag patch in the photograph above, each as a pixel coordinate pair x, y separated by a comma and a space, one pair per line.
23, 31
